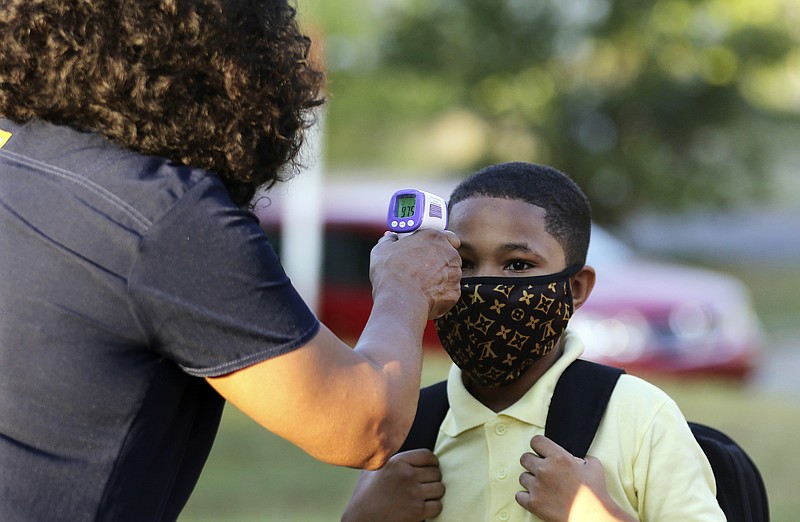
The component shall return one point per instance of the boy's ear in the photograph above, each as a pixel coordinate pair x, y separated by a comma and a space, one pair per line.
582, 285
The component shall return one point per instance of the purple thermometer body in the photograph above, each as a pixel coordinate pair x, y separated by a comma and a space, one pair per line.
413, 209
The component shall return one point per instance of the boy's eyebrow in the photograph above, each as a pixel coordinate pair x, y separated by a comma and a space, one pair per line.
517, 246
522, 248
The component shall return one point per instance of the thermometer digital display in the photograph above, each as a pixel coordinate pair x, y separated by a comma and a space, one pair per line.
412, 209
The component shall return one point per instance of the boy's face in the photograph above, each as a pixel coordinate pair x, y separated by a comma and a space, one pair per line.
504, 237
500, 328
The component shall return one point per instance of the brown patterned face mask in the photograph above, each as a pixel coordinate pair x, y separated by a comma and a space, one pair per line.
502, 325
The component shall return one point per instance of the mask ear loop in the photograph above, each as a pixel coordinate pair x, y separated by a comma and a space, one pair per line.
572, 270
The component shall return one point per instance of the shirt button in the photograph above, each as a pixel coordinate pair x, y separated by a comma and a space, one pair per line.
502, 473
503, 515
500, 429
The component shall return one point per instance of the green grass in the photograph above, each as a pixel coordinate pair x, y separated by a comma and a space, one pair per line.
253, 475
776, 294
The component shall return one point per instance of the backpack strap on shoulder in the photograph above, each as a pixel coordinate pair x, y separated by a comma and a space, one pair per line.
578, 404
431, 410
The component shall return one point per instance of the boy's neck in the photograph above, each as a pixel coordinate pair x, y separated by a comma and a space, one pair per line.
499, 398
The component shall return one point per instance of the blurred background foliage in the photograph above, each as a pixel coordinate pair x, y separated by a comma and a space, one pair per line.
667, 104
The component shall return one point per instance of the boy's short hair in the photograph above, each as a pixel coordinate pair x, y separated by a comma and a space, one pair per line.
568, 215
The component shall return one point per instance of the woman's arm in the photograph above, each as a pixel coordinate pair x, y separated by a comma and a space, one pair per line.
354, 407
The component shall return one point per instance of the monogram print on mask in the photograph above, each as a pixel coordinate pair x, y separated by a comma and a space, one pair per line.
497, 331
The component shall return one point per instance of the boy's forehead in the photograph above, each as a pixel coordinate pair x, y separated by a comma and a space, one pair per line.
516, 210
494, 228
499, 218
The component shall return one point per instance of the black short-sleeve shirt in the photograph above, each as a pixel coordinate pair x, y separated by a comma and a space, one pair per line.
124, 279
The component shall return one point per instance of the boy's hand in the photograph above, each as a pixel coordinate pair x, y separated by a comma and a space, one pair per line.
407, 489
561, 487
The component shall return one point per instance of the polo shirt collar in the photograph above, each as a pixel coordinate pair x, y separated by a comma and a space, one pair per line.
466, 412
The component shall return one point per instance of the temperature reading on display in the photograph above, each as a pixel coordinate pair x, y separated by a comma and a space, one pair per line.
405, 206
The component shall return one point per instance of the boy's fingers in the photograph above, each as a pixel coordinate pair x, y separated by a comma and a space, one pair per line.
433, 508
428, 474
418, 457
545, 447
432, 490
530, 462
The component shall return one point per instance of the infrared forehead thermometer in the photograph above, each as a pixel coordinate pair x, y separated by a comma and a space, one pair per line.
412, 209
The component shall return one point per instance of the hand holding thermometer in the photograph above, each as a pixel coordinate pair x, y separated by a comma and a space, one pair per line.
412, 209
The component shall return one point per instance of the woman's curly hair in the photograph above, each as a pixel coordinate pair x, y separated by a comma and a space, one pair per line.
224, 85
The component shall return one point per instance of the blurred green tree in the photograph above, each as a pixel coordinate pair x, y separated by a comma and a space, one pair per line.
664, 103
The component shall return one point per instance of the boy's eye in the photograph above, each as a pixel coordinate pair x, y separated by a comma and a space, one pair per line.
519, 265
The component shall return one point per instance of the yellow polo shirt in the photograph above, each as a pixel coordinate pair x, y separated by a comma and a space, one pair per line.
654, 468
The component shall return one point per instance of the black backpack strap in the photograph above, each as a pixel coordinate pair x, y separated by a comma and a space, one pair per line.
431, 409
578, 404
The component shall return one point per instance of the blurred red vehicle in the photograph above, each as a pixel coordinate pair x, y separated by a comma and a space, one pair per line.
644, 315
648, 315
